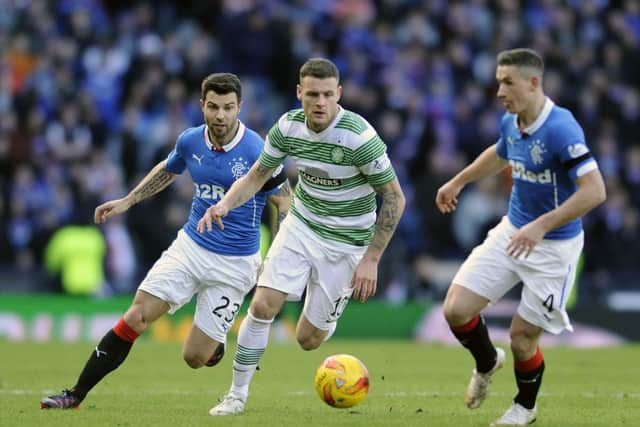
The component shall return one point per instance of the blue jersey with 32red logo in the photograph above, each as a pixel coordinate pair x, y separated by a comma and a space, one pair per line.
213, 172
545, 159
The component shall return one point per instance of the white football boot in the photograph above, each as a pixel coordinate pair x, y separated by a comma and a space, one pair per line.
479, 383
517, 415
230, 405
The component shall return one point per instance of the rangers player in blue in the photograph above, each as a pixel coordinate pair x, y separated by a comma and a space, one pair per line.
221, 268
555, 181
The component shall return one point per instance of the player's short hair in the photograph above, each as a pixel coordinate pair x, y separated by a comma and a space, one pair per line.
522, 57
320, 68
222, 84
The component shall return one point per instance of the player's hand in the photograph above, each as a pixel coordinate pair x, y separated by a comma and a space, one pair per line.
447, 196
213, 213
364, 279
525, 239
109, 209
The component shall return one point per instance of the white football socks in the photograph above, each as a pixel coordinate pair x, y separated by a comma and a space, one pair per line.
252, 341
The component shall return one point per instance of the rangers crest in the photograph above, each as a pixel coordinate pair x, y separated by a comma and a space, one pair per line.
537, 150
239, 167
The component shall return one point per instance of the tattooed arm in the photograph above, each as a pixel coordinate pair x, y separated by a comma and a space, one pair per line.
282, 201
365, 277
155, 181
241, 191
388, 218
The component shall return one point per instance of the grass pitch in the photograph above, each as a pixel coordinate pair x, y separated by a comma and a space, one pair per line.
411, 385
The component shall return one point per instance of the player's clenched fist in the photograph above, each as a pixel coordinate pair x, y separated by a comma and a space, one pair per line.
213, 213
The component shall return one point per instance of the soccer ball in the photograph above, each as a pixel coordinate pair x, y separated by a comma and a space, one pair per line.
342, 381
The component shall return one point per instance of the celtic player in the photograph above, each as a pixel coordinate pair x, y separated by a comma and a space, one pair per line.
331, 242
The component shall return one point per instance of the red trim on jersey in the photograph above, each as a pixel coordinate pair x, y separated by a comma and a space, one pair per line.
467, 327
124, 331
531, 364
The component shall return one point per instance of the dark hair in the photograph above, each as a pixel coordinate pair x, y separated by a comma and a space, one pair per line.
521, 57
319, 68
222, 83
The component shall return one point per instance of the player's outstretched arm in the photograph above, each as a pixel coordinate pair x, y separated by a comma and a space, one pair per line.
488, 163
155, 181
241, 191
282, 201
365, 277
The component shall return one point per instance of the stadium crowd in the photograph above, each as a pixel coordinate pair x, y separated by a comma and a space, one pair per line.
94, 93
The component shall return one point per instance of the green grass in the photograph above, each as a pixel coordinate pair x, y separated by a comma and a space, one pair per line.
411, 385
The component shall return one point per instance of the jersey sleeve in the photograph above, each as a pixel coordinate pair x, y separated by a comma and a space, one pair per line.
175, 160
274, 150
501, 146
575, 156
372, 160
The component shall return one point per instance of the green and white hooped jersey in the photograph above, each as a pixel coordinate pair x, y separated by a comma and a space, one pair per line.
337, 169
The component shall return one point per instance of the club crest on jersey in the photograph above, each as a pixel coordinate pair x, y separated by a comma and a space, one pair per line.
239, 167
537, 150
337, 155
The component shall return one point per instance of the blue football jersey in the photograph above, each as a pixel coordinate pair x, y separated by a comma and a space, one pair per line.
212, 172
546, 159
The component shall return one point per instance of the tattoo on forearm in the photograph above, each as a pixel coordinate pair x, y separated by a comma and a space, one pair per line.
262, 170
388, 219
156, 183
281, 217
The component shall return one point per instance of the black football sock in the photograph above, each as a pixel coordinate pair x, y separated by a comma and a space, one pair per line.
528, 378
475, 337
107, 356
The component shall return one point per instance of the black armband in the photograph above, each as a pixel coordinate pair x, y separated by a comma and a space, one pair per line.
571, 163
274, 181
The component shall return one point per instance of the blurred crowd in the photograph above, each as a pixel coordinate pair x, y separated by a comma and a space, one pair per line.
94, 93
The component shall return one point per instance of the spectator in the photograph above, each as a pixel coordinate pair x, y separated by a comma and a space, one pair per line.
84, 76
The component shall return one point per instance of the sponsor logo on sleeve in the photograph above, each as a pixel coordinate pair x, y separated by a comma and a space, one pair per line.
577, 150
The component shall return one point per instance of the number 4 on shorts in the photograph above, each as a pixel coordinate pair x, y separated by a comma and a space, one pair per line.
548, 303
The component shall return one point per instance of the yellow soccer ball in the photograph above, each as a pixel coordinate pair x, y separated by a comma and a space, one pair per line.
342, 381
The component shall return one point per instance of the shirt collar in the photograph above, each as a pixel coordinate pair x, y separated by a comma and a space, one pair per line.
228, 146
538, 122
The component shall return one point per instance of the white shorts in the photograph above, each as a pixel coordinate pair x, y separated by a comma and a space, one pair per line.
300, 259
221, 282
547, 275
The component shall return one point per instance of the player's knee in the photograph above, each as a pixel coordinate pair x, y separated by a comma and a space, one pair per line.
135, 319
262, 310
309, 342
453, 315
522, 345
193, 359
